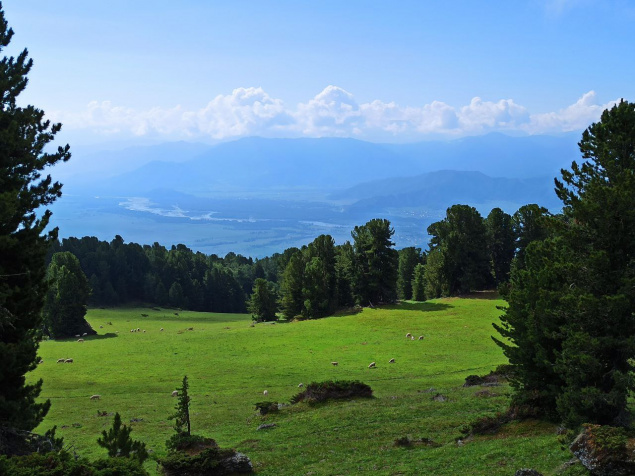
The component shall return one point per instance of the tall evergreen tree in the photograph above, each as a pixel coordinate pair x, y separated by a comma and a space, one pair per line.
65, 304
501, 238
409, 258
291, 301
262, 303
319, 289
24, 241
419, 283
375, 263
570, 317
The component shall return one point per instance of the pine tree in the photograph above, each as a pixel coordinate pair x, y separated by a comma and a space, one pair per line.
65, 304
262, 303
24, 241
119, 444
570, 319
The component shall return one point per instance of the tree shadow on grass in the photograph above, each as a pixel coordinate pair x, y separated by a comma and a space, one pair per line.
487, 295
421, 306
107, 335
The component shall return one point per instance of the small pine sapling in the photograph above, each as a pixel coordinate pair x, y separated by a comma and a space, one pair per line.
119, 444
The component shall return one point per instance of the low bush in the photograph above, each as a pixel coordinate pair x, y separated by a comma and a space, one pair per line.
212, 461
267, 407
317, 392
63, 464
185, 442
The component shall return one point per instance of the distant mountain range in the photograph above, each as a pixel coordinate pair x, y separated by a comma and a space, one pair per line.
204, 196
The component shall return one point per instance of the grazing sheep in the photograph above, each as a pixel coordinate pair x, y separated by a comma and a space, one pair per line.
265, 392
408, 335
80, 340
101, 327
84, 334
391, 361
138, 330
420, 337
77, 335
334, 363
300, 385
412, 338
61, 361
161, 329
144, 331
68, 361
41, 361
371, 365
175, 393
95, 397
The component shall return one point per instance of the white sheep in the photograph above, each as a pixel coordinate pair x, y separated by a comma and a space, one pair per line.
371, 365
265, 392
84, 334
420, 337
408, 335
61, 361
80, 340
138, 330
300, 385
412, 338
77, 335
144, 331
391, 361
175, 393
95, 397
161, 329
69, 361
334, 363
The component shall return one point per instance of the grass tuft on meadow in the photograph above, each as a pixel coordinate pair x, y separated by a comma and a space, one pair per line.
230, 364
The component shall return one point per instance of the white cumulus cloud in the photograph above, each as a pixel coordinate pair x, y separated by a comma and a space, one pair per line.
333, 112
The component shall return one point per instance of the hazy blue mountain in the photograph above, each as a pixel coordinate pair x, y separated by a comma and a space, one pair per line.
286, 166
438, 190
258, 196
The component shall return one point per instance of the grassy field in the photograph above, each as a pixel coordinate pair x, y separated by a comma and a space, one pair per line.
230, 364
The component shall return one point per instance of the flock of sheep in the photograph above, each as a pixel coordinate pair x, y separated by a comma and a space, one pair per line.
175, 393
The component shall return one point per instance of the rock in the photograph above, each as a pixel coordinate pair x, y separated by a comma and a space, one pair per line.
605, 450
527, 472
266, 426
239, 463
440, 398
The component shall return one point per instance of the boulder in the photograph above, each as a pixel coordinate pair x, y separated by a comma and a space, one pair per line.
605, 450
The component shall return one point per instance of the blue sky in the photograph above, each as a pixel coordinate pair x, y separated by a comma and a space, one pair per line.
389, 71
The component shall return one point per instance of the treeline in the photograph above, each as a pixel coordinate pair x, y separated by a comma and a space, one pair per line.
467, 252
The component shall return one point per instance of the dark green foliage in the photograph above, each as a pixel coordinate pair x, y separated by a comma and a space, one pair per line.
419, 283
291, 302
64, 464
182, 441
344, 257
181, 415
24, 238
409, 258
119, 444
461, 239
435, 284
262, 303
570, 316
375, 263
208, 462
65, 304
317, 392
530, 223
502, 244
320, 285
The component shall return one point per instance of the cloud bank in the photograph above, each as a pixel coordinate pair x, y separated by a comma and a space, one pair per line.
331, 113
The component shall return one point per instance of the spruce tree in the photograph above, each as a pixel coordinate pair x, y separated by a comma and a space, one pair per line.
24, 239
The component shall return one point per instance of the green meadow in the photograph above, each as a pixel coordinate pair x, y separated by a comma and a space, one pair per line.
230, 363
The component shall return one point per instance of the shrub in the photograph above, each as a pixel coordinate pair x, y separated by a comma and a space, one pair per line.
317, 392
184, 442
267, 407
63, 464
209, 462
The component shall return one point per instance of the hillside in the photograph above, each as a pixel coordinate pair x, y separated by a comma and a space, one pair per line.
230, 364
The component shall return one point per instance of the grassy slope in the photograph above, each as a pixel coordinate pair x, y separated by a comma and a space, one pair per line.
229, 364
